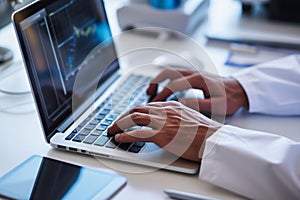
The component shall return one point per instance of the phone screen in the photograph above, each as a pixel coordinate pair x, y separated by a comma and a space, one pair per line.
45, 178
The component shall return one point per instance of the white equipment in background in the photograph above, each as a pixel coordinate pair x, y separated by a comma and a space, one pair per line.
184, 19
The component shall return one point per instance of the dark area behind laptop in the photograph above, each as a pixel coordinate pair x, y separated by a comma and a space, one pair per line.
6, 10
288, 10
279, 10
7, 7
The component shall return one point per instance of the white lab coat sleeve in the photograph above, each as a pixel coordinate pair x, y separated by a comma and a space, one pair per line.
254, 164
273, 87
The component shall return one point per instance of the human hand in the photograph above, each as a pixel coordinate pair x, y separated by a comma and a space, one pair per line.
175, 128
223, 96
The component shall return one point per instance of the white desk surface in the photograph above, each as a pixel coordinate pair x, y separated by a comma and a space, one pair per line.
22, 135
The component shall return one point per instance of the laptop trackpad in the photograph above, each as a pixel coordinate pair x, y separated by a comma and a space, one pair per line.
152, 152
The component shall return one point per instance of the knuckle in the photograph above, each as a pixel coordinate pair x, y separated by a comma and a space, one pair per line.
136, 109
168, 70
170, 110
174, 120
136, 116
173, 103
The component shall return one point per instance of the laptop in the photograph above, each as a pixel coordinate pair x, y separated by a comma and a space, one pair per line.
77, 82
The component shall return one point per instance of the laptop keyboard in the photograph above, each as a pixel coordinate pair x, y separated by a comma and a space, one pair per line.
93, 130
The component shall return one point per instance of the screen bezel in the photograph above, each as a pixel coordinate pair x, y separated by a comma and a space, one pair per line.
17, 18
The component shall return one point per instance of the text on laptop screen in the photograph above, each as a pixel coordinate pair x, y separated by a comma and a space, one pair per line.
59, 41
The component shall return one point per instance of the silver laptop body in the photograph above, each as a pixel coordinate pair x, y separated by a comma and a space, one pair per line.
77, 82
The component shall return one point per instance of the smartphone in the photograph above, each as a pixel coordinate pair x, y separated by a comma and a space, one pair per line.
45, 178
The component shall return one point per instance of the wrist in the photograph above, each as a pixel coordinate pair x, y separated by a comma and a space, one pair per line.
236, 96
211, 130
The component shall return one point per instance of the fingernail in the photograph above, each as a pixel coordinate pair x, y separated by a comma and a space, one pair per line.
117, 137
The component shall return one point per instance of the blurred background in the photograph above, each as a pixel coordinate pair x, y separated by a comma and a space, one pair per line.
252, 31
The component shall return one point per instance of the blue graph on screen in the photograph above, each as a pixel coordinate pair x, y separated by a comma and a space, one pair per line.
93, 33
85, 32
76, 35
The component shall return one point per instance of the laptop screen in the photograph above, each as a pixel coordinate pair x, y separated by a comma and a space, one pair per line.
62, 40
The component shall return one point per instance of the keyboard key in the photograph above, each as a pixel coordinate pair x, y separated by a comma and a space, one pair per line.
134, 149
112, 117
79, 138
90, 116
104, 112
106, 122
85, 132
118, 111
70, 136
124, 146
90, 127
97, 109
102, 141
97, 132
80, 126
95, 122
100, 117
108, 106
112, 144
139, 144
83, 123
102, 127
117, 97
90, 139
76, 130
